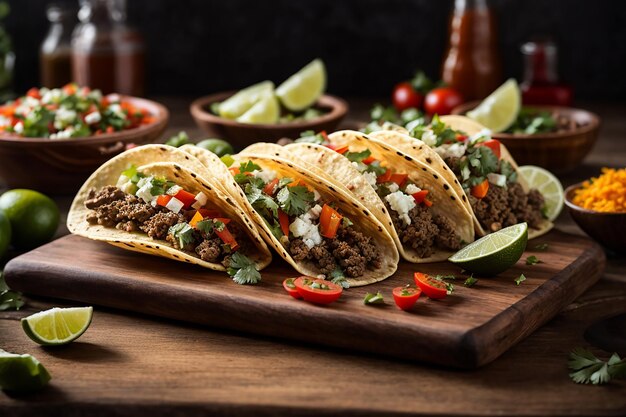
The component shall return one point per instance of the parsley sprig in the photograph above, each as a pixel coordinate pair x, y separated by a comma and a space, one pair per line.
294, 200
242, 269
588, 369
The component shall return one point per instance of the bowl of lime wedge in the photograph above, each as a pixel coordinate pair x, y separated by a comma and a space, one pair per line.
265, 112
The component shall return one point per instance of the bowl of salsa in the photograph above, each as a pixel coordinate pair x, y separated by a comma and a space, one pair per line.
52, 139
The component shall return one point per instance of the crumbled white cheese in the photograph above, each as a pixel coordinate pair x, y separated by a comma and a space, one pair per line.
19, 127
197, 205
412, 189
304, 228
63, 134
393, 187
50, 96
93, 117
401, 204
5, 121
316, 195
30, 101
429, 138
483, 134
266, 175
370, 177
175, 205
355, 165
145, 188
65, 115
201, 198
315, 211
451, 149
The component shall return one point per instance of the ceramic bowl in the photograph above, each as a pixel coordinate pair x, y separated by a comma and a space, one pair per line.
61, 166
559, 152
241, 135
609, 229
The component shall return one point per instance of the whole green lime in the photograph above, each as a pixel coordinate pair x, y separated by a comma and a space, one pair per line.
218, 146
5, 233
34, 217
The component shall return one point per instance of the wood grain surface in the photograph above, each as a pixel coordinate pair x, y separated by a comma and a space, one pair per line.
467, 329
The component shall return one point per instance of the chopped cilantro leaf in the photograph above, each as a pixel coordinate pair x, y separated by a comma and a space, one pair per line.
532, 260
242, 269
9, 300
205, 226
227, 160
588, 369
249, 166
470, 281
338, 277
284, 181
178, 140
309, 136
294, 200
541, 247
346, 222
358, 156
520, 279
372, 299
376, 168
183, 233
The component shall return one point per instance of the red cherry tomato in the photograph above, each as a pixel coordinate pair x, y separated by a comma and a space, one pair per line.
431, 287
492, 144
442, 100
317, 290
405, 97
406, 297
289, 286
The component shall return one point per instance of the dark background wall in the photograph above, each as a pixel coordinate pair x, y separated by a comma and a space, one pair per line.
197, 47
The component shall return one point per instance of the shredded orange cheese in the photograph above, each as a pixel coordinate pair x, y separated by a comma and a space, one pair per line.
605, 193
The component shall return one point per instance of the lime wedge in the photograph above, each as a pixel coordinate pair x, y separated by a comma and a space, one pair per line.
57, 326
548, 185
243, 100
495, 252
267, 110
302, 89
21, 372
500, 109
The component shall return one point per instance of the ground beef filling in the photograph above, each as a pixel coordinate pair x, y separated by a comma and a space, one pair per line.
427, 231
349, 250
111, 207
506, 206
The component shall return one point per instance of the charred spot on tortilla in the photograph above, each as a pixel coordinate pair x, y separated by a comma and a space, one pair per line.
456, 181
435, 176
149, 246
424, 169
193, 175
366, 212
430, 161
408, 158
453, 197
186, 157
380, 229
445, 167
163, 149
175, 256
446, 186
463, 197
399, 153
187, 260
129, 245
177, 168
355, 204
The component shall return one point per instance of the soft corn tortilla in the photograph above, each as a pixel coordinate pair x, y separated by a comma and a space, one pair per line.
419, 149
365, 221
109, 173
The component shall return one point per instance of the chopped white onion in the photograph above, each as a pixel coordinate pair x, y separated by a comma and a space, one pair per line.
497, 179
197, 205
175, 205
201, 198
174, 189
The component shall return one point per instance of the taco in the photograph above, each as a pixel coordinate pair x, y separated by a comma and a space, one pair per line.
414, 203
480, 168
311, 222
169, 210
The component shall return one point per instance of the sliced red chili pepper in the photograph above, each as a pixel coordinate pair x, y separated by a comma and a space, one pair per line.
433, 288
317, 290
283, 219
369, 160
290, 287
270, 187
330, 220
406, 297
386, 177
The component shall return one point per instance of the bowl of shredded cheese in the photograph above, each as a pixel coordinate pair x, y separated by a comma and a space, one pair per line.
598, 206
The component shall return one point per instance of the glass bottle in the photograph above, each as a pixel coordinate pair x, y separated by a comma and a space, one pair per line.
472, 63
55, 63
107, 53
541, 81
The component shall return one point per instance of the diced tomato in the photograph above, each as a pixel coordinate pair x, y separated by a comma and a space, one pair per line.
226, 236
461, 138
290, 287
480, 190
283, 219
386, 177
186, 198
369, 160
70, 88
162, 200
406, 297
398, 178
196, 219
317, 290
270, 187
427, 202
492, 144
342, 149
433, 288
330, 220
420, 196
110, 129
34, 93
210, 213
234, 170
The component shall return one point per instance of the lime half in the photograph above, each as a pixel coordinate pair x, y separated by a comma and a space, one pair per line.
243, 100
500, 109
548, 185
495, 252
21, 372
302, 89
57, 326
266, 111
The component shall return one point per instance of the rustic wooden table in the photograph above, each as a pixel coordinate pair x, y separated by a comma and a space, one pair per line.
130, 365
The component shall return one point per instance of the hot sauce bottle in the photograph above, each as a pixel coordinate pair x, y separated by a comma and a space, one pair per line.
541, 82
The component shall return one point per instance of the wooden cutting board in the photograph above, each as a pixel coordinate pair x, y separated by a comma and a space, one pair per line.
468, 329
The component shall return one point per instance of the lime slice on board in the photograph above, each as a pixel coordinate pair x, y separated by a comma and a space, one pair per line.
500, 109
243, 100
265, 111
548, 185
495, 252
302, 89
21, 372
57, 326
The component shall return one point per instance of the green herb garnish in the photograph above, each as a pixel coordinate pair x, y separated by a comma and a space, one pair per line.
337, 276
242, 269
532, 260
358, 156
178, 140
588, 369
371, 299
183, 233
520, 279
227, 160
470, 281
541, 247
294, 200
9, 299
